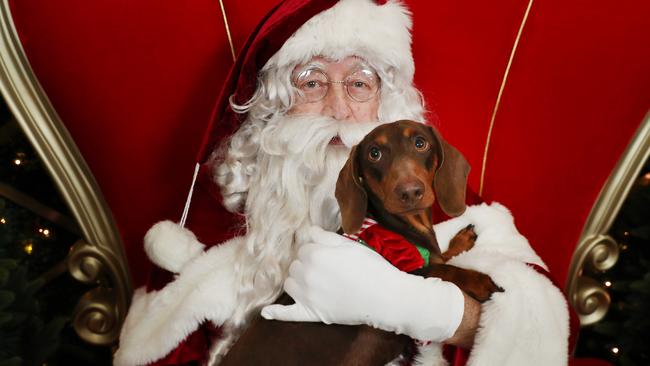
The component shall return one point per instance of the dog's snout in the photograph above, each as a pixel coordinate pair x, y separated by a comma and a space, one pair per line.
410, 193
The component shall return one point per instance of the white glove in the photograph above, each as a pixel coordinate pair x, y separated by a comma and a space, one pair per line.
336, 280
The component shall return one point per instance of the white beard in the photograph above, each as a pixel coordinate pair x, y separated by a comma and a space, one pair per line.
292, 189
297, 162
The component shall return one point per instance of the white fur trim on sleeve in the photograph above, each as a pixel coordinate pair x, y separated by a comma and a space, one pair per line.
171, 246
158, 321
496, 232
528, 324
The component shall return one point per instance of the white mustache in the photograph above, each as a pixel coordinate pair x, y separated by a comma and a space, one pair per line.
293, 134
351, 133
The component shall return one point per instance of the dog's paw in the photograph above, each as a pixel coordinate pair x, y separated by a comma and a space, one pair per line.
481, 287
462, 242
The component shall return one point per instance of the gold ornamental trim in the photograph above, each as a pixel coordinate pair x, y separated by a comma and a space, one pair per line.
504, 80
596, 250
225, 23
95, 319
52, 141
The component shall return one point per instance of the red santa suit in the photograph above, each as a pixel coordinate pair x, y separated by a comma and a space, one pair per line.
177, 323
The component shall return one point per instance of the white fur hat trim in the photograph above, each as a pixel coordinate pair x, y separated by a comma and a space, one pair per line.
380, 34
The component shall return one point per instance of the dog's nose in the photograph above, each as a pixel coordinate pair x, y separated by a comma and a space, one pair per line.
410, 193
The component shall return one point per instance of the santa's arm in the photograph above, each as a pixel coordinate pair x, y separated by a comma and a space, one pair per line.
204, 289
335, 281
528, 323
466, 332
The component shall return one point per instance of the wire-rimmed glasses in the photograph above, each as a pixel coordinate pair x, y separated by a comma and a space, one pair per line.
313, 84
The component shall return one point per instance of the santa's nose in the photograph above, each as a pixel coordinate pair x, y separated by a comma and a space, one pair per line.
337, 103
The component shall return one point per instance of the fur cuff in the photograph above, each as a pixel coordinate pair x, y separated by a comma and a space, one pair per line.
528, 324
158, 321
171, 246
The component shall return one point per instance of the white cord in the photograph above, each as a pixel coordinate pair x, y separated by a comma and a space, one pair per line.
189, 196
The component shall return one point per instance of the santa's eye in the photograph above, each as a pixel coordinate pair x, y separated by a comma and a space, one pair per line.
358, 84
420, 143
374, 154
311, 84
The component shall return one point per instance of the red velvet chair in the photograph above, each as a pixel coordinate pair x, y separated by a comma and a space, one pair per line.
135, 83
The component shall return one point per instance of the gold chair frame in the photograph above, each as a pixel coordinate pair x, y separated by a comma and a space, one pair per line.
99, 255
597, 251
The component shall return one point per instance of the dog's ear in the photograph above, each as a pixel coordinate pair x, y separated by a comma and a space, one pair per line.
351, 195
450, 181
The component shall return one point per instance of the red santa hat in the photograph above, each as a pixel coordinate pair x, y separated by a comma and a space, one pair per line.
297, 30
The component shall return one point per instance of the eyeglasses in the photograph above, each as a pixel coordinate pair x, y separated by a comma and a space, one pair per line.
313, 84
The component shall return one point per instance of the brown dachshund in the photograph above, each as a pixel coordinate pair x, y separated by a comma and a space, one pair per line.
393, 175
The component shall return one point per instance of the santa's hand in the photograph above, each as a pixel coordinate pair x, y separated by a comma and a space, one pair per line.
335, 280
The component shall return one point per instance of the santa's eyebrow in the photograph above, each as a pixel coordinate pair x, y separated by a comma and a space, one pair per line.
361, 64
312, 65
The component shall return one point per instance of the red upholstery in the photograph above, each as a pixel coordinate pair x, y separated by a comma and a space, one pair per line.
135, 84
135, 81
578, 89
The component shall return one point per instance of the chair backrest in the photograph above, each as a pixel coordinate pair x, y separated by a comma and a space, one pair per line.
578, 88
134, 83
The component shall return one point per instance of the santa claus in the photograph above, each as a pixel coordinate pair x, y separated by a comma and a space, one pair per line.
312, 80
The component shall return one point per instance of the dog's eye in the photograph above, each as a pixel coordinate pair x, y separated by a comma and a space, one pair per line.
421, 144
374, 154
